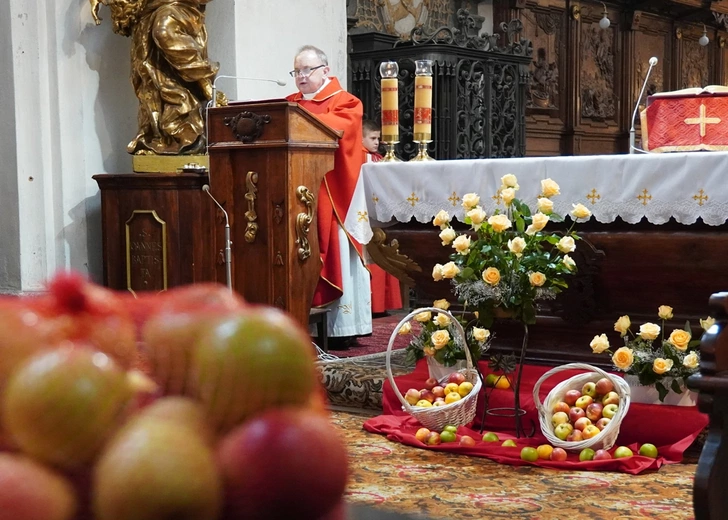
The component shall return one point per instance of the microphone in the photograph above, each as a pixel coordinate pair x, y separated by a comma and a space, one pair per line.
213, 101
632, 149
228, 242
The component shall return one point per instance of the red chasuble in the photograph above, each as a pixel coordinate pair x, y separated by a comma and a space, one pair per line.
341, 111
689, 120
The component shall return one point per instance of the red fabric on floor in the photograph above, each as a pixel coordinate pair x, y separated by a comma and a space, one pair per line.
671, 428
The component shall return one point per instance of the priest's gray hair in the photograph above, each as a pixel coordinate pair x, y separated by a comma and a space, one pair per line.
318, 52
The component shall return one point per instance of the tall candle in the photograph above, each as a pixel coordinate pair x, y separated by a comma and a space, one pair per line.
390, 107
422, 128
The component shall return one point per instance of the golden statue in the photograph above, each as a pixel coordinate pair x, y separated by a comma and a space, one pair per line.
170, 71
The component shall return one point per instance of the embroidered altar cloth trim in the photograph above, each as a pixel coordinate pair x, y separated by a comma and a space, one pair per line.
685, 186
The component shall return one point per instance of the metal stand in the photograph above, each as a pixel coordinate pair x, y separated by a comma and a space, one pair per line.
422, 154
389, 156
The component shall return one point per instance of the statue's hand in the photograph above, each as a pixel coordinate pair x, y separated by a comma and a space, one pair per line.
95, 5
206, 86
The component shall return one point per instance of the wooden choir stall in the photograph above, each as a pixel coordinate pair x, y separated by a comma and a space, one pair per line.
267, 161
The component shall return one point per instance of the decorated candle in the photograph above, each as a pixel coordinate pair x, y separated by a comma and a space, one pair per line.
423, 100
390, 101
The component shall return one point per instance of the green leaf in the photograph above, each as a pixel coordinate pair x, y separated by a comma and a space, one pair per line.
675, 387
661, 390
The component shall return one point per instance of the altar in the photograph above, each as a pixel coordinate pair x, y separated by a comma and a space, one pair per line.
657, 235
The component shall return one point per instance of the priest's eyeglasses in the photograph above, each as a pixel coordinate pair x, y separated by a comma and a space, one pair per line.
304, 73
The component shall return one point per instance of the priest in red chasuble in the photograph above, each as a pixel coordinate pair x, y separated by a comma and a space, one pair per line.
344, 284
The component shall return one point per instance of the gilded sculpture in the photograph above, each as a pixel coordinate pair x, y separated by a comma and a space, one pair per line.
170, 71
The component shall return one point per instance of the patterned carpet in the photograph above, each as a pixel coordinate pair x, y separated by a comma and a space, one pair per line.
392, 476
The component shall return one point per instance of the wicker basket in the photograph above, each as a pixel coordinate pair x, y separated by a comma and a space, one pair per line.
608, 435
458, 413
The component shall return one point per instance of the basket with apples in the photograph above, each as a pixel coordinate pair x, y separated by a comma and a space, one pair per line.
583, 411
455, 411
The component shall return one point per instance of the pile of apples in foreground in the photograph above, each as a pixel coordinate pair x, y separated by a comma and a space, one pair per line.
230, 424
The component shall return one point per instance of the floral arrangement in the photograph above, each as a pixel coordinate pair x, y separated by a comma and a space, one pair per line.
508, 261
437, 339
652, 358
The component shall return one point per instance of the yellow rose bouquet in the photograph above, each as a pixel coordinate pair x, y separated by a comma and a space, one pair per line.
433, 335
508, 260
656, 360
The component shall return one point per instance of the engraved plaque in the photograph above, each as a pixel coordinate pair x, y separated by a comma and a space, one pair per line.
146, 252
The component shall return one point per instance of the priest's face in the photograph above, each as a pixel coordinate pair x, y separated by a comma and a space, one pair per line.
311, 72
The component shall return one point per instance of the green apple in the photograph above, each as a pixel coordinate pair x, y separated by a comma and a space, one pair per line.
448, 436
622, 452
509, 443
529, 453
450, 428
610, 410
563, 430
648, 450
490, 437
586, 454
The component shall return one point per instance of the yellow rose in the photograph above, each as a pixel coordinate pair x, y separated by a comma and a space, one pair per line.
405, 329
545, 205
580, 211
537, 279
437, 272
442, 320
623, 358
442, 219
680, 339
477, 216
660, 365
440, 339
491, 276
508, 194
480, 335
516, 246
509, 181
441, 304
599, 344
470, 200
538, 222
450, 270
499, 223
462, 244
691, 360
568, 262
423, 316
664, 312
549, 188
707, 323
429, 351
447, 235
622, 325
566, 245
649, 331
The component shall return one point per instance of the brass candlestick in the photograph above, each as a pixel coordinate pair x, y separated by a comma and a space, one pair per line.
422, 130
389, 71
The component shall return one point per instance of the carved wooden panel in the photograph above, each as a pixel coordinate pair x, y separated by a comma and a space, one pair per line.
694, 69
399, 17
546, 30
597, 73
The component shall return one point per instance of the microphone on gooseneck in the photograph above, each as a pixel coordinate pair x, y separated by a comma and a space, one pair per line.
228, 241
213, 101
632, 149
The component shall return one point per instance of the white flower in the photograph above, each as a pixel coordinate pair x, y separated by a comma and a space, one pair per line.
566, 245
442, 219
447, 235
516, 246
470, 200
509, 181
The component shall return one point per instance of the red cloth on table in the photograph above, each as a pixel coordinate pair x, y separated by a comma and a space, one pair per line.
671, 428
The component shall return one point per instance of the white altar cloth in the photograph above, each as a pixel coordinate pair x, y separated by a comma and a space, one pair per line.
685, 186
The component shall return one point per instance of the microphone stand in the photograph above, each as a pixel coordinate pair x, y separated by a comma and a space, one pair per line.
228, 242
632, 148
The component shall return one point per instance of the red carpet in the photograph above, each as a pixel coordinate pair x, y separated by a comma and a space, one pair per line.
377, 342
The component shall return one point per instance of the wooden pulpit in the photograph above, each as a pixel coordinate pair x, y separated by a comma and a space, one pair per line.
267, 162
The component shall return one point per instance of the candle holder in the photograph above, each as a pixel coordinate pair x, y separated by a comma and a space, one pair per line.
389, 71
422, 130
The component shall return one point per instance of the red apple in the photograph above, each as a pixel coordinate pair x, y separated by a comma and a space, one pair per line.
422, 434
602, 455
610, 398
576, 413
590, 431
433, 439
575, 436
602, 423
427, 395
582, 423
594, 411
584, 401
431, 382
561, 406
412, 396
559, 454
610, 410
456, 377
604, 386
571, 396
467, 440
590, 389
438, 391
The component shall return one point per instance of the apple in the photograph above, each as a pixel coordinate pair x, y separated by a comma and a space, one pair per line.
423, 403
422, 434
563, 430
448, 436
586, 454
590, 431
438, 391
561, 406
490, 437
576, 413
451, 387
559, 417
439, 401
610, 398
412, 396
559, 454
594, 411
602, 423
602, 455
604, 386
529, 453
452, 397
456, 377
589, 389
622, 452
610, 410
465, 388
544, 451
584, 401
575, 436
582, 423
509, 443
648, 450
433, 439
571, 396
431, 383
467, 440
427, 395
